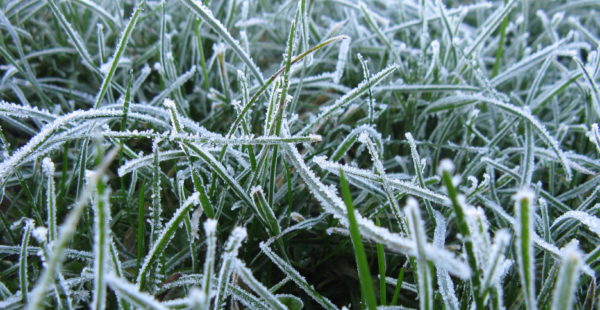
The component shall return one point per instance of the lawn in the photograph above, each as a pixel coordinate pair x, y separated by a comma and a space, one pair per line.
307, 154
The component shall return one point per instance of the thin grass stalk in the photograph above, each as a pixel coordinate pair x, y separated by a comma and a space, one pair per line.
210, 230
524, 210
424, 273
101, 244
565, 289
366, 282
238, 235
23, 277
48, 167
447, 168
120, 48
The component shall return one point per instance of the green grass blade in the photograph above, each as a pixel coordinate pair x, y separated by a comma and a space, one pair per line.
364, 273
524, 210
164, 236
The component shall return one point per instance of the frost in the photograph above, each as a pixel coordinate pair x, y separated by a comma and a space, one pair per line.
342, 59
335, 206
132, 293
369, 178
446, 165
48, 167
592, 222
105, 67
594, 136
524, 194
195, 221
197, 298
169, 104
567, 278
40, 234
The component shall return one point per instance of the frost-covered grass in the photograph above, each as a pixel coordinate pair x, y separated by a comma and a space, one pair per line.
311, 154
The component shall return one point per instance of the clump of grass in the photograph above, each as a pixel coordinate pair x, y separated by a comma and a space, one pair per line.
360, 154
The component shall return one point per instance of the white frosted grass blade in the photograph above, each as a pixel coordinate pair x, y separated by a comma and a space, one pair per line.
333, 204
146, 161
265, 211
348, 98
305, 25
592, 222
215, 165
524, 210
174, 85
23, 277
8, 166
594, 89
368, 176
156, 210
376, 157
102, 239
48, 169
117, 268
246, 298
565, 288
417, 231
295, 276
417, 164
66, 232
22, 111
207, 16
340, 65
230, 252
246, 276
210, 230
428, 88
528, 158
209, 138
132, 293
493, 267
165, 236
445, 284
119, 49
86, 257
367, 77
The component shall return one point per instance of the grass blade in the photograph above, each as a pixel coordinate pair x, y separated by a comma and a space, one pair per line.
567, 278
366, 282
524, 210
164, 236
